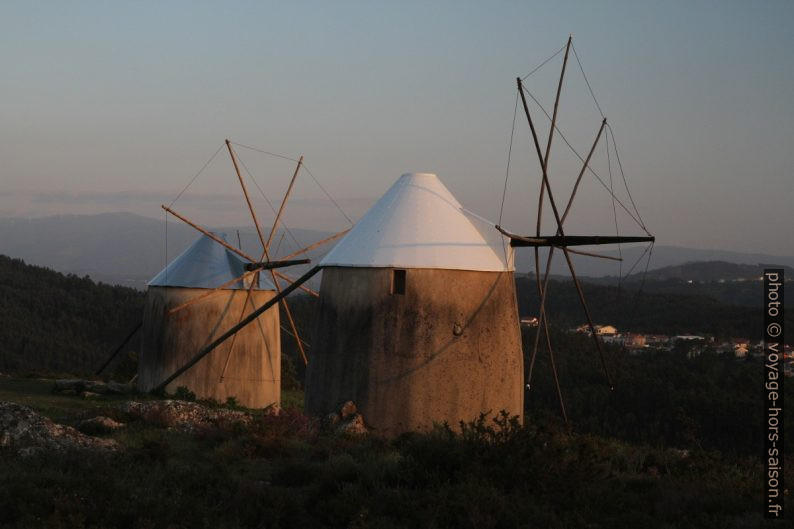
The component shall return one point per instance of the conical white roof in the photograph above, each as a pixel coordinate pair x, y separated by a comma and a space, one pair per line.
419, 224
206, 264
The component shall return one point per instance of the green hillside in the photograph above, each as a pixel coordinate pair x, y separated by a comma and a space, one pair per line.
62, 323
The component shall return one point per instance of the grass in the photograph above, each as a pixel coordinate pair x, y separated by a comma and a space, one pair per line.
37, 393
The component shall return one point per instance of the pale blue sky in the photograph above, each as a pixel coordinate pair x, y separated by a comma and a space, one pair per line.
108, 106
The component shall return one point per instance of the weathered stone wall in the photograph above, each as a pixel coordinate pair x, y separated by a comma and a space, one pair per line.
253, 374
446, 350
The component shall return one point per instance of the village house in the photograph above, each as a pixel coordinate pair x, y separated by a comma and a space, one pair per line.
634, 341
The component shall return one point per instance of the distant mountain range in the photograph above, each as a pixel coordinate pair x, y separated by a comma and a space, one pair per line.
120, 248
128, 249
706, 271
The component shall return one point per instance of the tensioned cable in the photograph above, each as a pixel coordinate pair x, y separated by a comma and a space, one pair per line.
614, 210
196, 175
278, 246
509, 154
611, 132
269, 203
304, 342
165, 218
264, 152
544, 63
630, 214
649, 251
327, 194
625, 184
587, 82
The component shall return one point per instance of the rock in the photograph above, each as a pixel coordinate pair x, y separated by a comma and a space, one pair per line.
70, 384
332, 419
28, 432
185, 416
99, 425
348, 409
95, 386
78, 386
116, 387
347, 420
272, 409
353, 425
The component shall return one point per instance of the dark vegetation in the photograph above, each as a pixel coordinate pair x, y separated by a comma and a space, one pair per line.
660, 308
60, 323
710, 401
709, 271
676, 444
285, 471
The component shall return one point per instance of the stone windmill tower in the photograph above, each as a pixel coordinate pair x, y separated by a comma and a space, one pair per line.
249, 370
417, 320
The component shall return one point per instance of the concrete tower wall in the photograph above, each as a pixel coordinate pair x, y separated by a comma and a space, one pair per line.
253, 373
447, 349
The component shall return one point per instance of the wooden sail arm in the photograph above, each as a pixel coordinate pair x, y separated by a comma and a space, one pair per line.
208, 234
283, 204
245, 194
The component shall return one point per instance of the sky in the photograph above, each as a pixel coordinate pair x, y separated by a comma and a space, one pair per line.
115, 106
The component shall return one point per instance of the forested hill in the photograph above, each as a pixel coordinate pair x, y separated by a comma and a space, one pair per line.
658, 311
51, 321
702, 271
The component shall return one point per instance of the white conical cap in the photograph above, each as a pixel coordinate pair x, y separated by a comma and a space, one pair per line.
205, 264
419, 224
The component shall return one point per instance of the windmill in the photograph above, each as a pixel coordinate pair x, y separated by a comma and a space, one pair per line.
251, 268
417, 321
560, 240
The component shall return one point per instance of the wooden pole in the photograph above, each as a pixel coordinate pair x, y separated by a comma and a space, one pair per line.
556, 107
265, 252
544, 165
225, 336
208, 234
283, 203
248, 292
542, 289
542, 323
245, 193
580, 292
581, 173
119, 348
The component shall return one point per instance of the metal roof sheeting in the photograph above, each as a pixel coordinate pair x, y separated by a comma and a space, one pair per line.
206, 264
419, 224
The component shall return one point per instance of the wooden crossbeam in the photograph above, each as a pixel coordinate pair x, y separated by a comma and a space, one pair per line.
269, 265
561, 241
